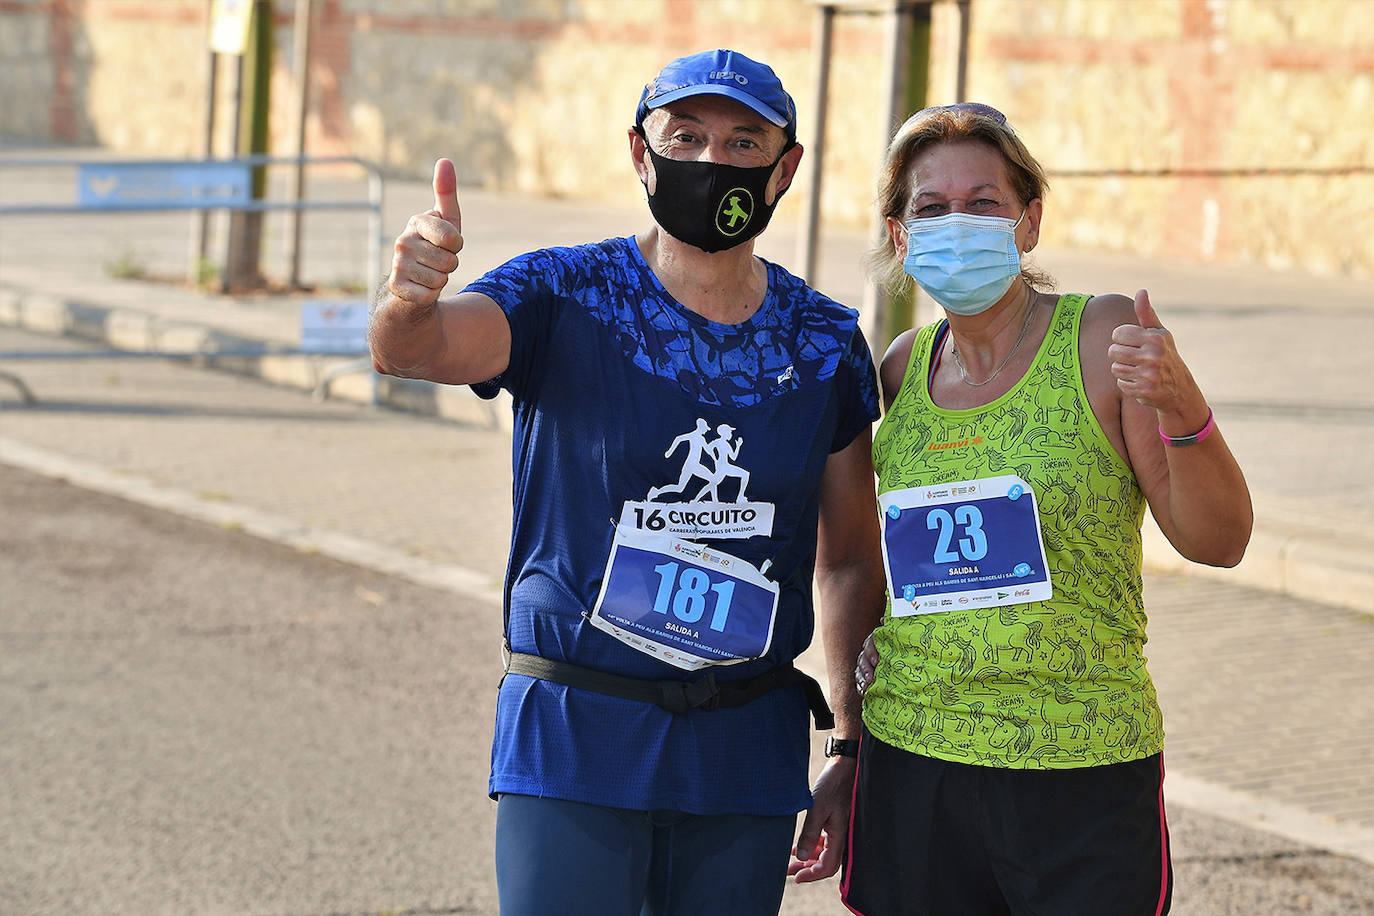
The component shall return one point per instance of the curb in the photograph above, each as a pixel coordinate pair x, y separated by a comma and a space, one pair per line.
139, 332
1310, 566
1285, 554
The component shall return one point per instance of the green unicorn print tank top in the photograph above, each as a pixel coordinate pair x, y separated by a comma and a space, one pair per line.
1015, 628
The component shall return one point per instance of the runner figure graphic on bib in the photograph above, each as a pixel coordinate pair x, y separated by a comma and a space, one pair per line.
698, 517
684, 602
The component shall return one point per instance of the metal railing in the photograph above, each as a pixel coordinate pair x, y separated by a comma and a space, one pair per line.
111, 185
230, 189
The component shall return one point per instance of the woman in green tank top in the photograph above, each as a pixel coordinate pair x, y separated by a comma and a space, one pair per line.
1011, 755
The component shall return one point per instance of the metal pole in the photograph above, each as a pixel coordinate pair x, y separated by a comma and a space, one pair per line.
807, 242
243, 269
903, 310
225, 280
200, 250
301, 53
874, 313
374, 254
961, 78
374, 229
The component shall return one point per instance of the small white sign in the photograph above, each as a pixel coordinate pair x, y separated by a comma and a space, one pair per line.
229, 21
334, 327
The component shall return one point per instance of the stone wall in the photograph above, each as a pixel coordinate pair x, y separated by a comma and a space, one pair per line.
1175, 128
1259, 89
537, 97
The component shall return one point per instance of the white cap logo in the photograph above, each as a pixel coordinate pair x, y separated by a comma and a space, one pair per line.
729, 75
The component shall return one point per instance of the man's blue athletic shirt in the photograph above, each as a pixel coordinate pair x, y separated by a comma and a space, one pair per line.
606, 371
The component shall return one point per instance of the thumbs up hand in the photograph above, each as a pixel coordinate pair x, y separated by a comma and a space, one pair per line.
1147, 366
427, 251
446, 195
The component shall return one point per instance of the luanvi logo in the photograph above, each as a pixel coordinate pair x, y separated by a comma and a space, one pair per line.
957, 443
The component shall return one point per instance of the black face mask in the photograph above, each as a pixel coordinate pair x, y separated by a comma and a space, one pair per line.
709, 205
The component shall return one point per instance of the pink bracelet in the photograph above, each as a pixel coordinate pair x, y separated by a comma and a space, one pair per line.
1196, 437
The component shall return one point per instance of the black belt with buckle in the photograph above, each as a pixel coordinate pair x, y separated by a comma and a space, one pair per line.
677, 697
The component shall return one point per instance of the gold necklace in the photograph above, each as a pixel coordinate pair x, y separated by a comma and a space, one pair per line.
959, 360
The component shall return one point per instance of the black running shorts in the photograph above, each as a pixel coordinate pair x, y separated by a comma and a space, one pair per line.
933, 837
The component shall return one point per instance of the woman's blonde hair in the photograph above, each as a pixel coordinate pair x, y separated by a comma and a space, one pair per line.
964, 122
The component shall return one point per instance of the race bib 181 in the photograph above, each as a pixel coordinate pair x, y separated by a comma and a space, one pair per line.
688, 604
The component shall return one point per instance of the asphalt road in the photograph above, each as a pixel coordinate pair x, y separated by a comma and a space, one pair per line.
198, 720
201, 721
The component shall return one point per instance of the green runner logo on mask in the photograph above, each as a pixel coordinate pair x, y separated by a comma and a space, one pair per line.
689, 205
734, 212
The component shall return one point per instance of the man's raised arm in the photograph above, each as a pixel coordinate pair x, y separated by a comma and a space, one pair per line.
414, 333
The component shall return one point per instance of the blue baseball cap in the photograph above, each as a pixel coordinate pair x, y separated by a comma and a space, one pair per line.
727, 73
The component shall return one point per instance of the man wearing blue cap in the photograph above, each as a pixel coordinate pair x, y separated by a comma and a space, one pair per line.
651, 731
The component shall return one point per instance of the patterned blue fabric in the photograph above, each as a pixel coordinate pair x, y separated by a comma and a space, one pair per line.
606, 371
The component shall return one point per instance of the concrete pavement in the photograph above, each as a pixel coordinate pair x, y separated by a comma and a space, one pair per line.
426, 502
1264, 670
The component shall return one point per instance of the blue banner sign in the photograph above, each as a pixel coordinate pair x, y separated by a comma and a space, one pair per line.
163, 185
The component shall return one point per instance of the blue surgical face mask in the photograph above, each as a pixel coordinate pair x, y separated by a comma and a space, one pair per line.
965, 262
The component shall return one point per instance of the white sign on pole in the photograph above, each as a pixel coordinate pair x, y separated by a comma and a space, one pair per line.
229, 26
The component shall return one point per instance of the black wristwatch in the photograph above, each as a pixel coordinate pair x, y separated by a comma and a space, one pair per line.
841, 747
